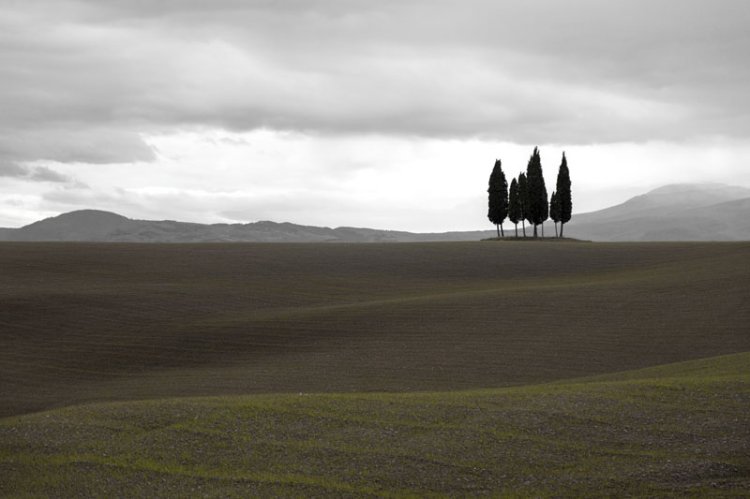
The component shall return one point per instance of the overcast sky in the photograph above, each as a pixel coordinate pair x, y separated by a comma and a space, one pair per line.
386, 114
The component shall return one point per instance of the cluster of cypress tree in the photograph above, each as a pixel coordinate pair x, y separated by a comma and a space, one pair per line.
527, 199
498, 191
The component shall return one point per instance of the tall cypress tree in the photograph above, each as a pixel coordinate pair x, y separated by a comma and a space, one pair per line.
554, 209
523, 200
514, 205
538, 210
564, 195
498, 197
545, 206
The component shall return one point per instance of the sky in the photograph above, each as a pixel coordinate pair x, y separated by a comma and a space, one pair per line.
385, 114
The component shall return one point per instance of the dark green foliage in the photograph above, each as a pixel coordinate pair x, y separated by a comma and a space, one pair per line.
545, 206
515, 214
554, 209
498, 197
537, 208
523, 197
564, 195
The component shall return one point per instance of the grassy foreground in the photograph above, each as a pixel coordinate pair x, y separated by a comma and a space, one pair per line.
682, 429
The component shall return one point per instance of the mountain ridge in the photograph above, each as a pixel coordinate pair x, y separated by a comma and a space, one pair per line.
675, 212
91, 225
687, 212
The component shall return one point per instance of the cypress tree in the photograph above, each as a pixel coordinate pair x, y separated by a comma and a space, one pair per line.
554, 210
545, 206
564, 195
498, 197
523, 200
514, 205
538, 209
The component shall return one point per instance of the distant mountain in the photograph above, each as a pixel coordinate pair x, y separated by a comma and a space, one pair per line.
95, 225
681, 212
684, 212
84, 225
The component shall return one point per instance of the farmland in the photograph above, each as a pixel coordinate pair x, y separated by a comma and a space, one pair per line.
518, 352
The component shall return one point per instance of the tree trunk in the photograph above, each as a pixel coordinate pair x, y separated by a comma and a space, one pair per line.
497, 227
542, 230
516, 224
556, 230
523, 226
535, 235
562, 226
502, 231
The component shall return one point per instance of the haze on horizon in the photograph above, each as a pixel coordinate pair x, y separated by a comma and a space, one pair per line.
387, 115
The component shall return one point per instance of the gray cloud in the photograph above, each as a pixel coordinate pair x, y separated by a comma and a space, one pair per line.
82, 80
44, 174
33, 173
80, 143
12, 170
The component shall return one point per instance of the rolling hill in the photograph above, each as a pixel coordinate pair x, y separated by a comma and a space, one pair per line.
86, 322
683, 212
220, 370
680, 430
102, 226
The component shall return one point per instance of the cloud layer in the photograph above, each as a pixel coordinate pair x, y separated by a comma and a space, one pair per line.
344, 112
85, 81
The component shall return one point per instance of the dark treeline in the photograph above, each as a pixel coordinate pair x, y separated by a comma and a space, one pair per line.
527, 199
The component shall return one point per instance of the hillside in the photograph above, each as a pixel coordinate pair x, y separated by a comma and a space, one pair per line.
542, 370
686, 212
83, 225
682, 212
102, 226
677, 430
88, 322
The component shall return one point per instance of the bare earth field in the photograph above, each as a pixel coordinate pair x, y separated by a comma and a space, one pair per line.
486, 327
86, 322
